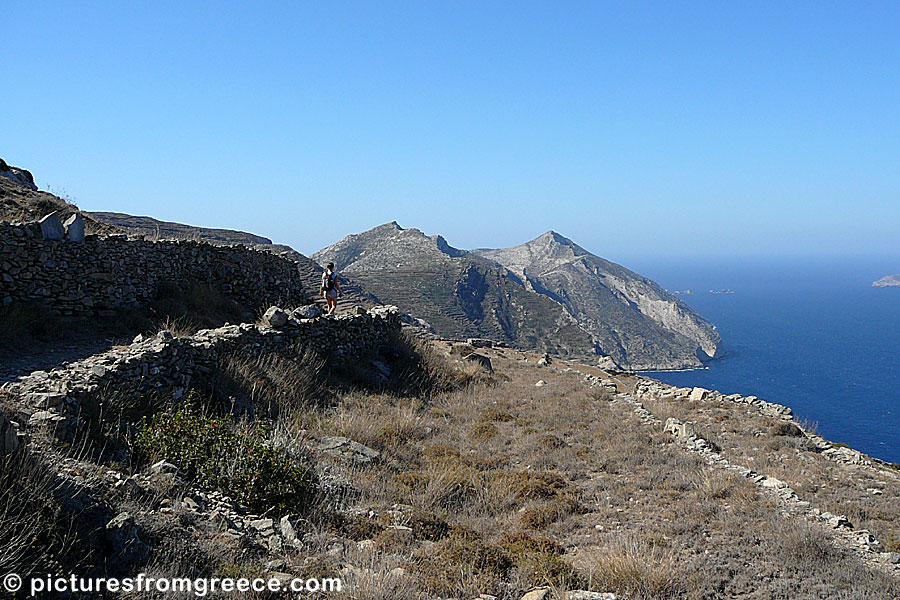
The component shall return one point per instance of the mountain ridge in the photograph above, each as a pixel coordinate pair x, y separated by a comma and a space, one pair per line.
527, 294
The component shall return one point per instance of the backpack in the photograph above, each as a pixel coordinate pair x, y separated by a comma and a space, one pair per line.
328, 283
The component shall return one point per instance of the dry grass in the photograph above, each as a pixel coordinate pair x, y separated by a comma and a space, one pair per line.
33, 532
272, 384
635, 569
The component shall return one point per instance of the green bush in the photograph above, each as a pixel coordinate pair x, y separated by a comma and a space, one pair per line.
239, 463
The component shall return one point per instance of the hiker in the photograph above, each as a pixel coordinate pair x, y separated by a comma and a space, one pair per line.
330, 288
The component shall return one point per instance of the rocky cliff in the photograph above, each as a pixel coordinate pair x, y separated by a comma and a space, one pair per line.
550, 295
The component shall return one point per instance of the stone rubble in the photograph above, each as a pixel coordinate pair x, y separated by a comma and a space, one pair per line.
165, 367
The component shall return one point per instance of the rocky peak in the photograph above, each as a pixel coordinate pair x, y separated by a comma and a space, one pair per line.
387, 247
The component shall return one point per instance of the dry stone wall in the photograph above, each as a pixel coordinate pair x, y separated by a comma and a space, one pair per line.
105, 273
166, 368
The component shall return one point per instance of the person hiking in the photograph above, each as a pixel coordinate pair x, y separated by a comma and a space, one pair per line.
331, 290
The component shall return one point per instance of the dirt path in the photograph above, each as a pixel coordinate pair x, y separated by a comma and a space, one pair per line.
45, 357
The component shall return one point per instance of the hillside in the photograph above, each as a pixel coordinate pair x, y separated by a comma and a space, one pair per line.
548, 295
425, 477
154, 229
888, 281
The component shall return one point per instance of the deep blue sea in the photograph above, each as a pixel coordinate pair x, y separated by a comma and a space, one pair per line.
811, 334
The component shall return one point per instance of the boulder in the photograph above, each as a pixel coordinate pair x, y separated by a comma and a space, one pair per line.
290, 526
74, 228
540, 383
20, 176
51, 227
682, 431
310, 311
544, 360
346, 448
482, 360
164, 467
699, 394
122, 535
542, 593
275, 317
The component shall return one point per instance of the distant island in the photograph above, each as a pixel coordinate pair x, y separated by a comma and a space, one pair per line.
888, 281
721, 291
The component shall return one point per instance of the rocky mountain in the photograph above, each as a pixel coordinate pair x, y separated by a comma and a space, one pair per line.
888, 281
458, 293
549, 294
619, 308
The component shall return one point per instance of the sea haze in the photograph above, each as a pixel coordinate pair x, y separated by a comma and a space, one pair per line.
810, 334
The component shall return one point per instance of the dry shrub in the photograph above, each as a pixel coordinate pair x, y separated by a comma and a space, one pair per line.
451, 487
462, 564
525, 485
549, 442
544, 515
712, 485
179, 327
382, 422
420, 369
496, 414
483, 431
539, 561
634, 569
785, 429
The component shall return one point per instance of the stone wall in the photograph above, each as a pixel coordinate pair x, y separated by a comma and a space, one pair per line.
102, 274
166, 368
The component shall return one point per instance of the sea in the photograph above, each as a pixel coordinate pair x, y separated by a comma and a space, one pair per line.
812, 334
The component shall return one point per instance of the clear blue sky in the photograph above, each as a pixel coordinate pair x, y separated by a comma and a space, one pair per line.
637, 129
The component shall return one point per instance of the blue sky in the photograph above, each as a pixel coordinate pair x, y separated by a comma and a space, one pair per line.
640, 130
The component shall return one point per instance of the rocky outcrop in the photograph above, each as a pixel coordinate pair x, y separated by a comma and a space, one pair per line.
155, 229
20, 176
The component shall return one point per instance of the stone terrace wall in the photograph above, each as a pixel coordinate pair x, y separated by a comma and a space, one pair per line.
167, 367
102, 274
